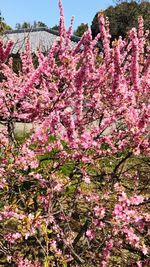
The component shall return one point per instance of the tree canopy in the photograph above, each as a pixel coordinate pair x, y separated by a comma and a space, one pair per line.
28, 25
123, 17
55, 28
3, 26
83, 27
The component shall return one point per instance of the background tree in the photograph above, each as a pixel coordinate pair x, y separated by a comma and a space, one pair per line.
18, 26
81, 29
28, 25
55, 28
39, 24
3, 26
123, 17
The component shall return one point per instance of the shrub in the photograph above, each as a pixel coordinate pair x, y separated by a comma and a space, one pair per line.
75, 191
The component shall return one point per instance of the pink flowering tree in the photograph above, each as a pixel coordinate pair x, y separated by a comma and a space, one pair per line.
74, 192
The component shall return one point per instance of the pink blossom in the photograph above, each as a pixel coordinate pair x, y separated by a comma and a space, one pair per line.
139, 264
12, 237
90, 234
99, 211
136, 200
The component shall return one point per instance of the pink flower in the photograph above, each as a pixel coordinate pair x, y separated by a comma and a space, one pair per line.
87, 180
103, 264
12, 237
99, 211
144, 250
139, 264
3, 183
90, 234
136, 200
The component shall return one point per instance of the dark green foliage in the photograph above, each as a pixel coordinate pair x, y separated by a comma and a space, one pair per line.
81, 29
123, 17
28, 25
3, 26
55, 28
39, 24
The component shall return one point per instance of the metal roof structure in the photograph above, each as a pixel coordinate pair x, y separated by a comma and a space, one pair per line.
39, 38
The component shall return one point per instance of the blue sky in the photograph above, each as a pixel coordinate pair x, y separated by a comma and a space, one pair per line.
47, 10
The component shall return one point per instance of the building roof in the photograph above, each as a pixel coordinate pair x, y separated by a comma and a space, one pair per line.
40, 38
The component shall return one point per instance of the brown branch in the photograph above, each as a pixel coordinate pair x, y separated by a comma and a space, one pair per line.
122, 161
142, 203
75, 255
82, 231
